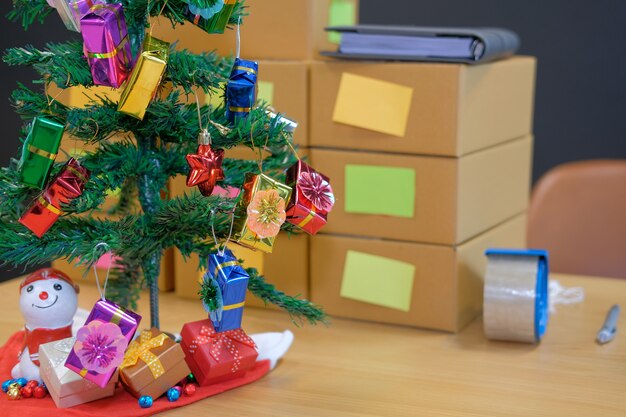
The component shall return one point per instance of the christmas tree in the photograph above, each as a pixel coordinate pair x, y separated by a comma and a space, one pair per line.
152, 150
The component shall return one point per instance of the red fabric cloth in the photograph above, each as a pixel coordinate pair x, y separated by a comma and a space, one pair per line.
122, 404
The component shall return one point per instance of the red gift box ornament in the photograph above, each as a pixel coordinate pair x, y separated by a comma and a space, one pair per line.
312, 198
46, 209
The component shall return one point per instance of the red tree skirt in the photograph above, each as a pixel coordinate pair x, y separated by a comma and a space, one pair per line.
122, 404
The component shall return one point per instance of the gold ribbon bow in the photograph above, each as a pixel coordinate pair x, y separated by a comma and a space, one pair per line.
140, 349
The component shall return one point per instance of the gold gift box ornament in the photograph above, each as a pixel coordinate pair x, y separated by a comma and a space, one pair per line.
242, 234
145, 78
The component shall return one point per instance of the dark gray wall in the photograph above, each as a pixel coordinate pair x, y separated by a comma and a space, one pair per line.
580, 110
580, 104
12, 34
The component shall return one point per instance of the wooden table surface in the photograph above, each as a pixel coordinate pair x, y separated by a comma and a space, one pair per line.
353, 368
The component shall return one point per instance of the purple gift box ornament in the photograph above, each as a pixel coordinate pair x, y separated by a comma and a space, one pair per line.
102, 341
106, 44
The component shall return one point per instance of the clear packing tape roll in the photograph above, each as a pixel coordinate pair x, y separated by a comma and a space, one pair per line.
515, 305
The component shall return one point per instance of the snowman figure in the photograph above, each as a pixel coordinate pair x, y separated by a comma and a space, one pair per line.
48, 301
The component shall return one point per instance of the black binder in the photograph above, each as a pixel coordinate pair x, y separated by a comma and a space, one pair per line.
482, 44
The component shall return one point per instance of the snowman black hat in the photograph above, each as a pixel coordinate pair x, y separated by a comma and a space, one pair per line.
48, 273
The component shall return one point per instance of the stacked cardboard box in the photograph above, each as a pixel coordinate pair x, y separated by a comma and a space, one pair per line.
430, 164
283, 36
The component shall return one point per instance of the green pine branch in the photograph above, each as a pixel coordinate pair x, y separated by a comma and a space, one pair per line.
298, 309
27, 12
64, 64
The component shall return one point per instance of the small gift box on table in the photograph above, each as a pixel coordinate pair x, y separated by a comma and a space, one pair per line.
46, 209
107, 46
145, 78
215, 357
102, 341
153, 364
40, 150
71, 11
232, 280
260, 211
241, 89
311, 199
210, 20
67, 388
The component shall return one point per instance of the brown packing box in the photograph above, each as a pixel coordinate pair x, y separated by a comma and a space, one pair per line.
447, 288
138, 378
287, 267
455, 198
289, 81
455, 109
274, 29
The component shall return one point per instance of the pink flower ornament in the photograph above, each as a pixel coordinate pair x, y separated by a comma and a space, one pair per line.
266, 213
100, 346
317, 190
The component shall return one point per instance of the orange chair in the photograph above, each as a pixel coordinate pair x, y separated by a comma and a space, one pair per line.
578, 213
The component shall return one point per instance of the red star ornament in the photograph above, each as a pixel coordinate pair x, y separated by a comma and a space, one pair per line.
206, 168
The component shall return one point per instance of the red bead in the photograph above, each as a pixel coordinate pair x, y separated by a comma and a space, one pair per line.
27, 392
40, 392
190, 389
32, 384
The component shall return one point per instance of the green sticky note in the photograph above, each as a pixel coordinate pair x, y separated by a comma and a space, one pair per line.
266, 92
378, 280
340, 13
380, 190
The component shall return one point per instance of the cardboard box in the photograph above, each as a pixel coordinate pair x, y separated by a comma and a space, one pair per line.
447, 280
285, 86
420, 108
287, 267
426, 199
274, 29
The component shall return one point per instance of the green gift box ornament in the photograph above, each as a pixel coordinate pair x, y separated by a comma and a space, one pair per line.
40, 150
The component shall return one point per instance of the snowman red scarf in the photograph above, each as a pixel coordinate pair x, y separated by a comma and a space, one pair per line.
36, 337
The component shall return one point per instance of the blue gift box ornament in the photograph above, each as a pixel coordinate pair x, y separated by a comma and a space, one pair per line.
241, 89
231, 280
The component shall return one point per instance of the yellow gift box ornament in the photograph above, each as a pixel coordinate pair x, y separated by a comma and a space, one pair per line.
260, 212
145, 78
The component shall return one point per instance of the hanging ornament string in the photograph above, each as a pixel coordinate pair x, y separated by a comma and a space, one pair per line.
220, 252
200, 114
291, 147
238, 39
107, 249
255, 149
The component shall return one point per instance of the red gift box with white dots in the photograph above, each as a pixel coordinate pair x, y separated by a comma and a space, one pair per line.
215, 357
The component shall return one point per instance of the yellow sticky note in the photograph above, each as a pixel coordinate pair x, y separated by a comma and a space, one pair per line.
215, 97
265, 92
378, 280
373, 104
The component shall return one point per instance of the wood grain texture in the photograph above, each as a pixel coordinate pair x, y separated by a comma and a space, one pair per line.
353, 368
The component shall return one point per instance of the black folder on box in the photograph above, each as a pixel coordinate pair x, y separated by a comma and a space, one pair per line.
420, 43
